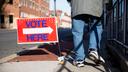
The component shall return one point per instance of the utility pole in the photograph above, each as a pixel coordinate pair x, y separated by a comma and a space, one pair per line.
55, 8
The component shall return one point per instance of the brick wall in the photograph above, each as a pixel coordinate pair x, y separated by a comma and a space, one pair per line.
22, 8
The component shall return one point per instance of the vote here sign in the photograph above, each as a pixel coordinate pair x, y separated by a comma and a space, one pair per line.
36, 30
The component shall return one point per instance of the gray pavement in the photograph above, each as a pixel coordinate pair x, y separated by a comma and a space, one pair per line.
48, 66
8, 43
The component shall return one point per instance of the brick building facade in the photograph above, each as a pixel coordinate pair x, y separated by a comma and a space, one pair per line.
13, 9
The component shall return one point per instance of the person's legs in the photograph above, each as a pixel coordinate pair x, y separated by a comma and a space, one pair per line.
78, 32
93, 43
78, 28
92, 39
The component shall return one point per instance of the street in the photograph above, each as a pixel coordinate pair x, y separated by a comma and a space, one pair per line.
8, 43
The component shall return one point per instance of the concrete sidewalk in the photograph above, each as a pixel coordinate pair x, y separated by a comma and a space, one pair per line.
48, 66
44, 59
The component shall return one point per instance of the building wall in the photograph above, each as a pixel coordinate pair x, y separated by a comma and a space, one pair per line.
65, 21
23, 9
9, 11
37, 8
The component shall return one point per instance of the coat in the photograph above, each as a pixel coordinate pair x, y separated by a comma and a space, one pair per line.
90, 7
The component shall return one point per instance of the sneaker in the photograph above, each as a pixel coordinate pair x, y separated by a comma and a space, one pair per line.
79, 63
95, 57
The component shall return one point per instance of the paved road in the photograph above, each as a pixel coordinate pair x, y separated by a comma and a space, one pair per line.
8, 43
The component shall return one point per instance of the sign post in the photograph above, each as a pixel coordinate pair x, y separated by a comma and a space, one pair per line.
37, 30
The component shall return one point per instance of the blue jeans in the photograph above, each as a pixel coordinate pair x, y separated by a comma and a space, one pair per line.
78, 29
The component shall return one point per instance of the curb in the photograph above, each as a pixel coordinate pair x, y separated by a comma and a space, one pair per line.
5, 59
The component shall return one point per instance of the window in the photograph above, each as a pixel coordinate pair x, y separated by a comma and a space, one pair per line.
9, 1
46, 1
1, 18
10, 18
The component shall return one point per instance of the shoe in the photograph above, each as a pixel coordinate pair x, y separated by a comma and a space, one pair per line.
79, 63
95, 57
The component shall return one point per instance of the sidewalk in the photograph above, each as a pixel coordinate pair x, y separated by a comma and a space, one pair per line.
44, 59
47, 66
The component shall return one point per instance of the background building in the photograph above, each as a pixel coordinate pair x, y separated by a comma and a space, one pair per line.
10, 10
64, 20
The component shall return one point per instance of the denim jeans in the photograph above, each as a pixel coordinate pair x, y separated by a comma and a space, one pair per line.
78, 29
